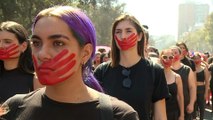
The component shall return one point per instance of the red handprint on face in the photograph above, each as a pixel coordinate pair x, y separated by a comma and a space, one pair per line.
166, 63
127, 43
176, 58
52, 72
9, 52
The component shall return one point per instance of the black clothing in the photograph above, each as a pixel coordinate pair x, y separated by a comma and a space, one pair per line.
37, 106
172, 108
200, 76
211, 81
143, 90
200, 102
14, 82
189, 62
211, 72
184, 73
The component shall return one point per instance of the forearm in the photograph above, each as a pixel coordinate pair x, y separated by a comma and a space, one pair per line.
193, 93
160, 110
181, 104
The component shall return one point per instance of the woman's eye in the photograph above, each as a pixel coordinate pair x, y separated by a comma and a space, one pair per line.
58, 43
36, 43
7, 41
117, 32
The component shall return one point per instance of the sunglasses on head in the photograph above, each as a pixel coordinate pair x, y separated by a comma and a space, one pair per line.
127, 82
167, 57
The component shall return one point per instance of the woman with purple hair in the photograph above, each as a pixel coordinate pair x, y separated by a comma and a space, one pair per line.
63, 46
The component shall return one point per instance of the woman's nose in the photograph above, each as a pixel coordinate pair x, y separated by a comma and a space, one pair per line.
44, 54
123, 35
1, 44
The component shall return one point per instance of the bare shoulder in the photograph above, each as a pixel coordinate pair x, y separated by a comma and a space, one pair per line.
178, 77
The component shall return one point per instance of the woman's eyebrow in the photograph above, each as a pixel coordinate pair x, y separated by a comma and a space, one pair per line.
51, 36
55, 36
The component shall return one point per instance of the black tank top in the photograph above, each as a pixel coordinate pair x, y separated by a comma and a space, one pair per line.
13, 82
172, 103
200, 76
184, 73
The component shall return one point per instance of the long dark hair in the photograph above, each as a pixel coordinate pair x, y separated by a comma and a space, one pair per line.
25, 63
115, 53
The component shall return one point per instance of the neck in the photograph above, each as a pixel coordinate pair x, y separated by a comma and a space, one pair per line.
167, 72
176, 65
167, 69
129, 58
182, 57
70, 91
198, 66
10, 64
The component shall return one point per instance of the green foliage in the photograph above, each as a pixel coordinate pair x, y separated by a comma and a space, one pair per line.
201, 39
101, 12
209, 29
24, 11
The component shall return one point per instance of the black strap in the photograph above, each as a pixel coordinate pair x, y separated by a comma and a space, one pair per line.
105, 107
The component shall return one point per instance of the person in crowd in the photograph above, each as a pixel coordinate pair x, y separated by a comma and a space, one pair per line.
129, 76
104, 57
175, 104
206, 56
63, 45
210, 60
16, 66
185, 59
96, 61
151, 49
102, 50
188, 80
146, 40
211, 81
154, 57
202, 83
210, 68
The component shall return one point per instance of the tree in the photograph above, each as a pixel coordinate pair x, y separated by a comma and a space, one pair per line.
24, 11
101, 12
209, 29
201, 39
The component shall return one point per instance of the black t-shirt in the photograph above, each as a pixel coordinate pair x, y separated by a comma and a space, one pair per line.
14, 82
37, 106
144, 90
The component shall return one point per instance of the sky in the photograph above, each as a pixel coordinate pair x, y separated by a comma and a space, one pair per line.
160, 15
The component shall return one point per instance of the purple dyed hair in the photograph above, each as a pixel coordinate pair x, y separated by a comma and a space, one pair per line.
84, 31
